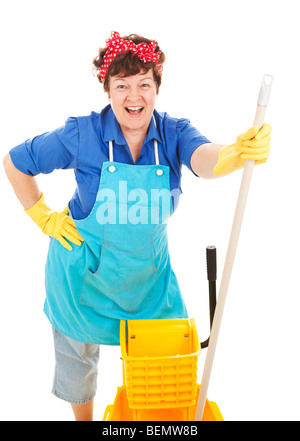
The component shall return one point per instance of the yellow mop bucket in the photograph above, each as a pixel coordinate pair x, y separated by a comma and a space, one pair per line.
159, 373
120, 411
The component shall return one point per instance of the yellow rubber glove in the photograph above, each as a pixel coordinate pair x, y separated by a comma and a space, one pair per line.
54, 224
253, 144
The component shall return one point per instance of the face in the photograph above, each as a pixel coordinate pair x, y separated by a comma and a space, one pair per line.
133, 100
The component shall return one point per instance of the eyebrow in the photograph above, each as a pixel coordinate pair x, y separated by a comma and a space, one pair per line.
146, 78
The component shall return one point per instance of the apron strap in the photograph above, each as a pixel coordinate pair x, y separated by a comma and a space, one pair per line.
111, 154
156, 152
155, 146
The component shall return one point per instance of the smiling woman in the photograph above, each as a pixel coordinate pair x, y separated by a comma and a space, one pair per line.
98, 273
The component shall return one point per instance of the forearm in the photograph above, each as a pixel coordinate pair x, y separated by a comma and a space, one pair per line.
204, 159
25, 186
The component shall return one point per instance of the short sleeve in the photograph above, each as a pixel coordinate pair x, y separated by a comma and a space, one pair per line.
189, 139
51, 150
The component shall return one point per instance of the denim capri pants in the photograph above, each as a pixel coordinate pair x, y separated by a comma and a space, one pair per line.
76, 369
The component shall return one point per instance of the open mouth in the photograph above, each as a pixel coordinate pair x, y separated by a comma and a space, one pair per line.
134, 110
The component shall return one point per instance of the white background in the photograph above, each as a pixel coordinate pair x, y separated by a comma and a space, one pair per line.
217, 52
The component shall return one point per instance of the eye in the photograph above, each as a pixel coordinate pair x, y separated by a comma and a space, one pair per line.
121, 86
145, 85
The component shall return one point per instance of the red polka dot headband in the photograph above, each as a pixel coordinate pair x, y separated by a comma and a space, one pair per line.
116, 46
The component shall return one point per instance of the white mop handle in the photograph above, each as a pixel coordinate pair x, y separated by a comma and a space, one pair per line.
263, 98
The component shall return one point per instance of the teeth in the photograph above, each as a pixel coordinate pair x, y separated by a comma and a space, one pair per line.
134, 108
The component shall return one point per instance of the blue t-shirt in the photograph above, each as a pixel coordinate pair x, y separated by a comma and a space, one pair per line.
82, 144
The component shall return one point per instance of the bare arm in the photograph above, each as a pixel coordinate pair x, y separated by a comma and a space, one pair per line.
25, 186
204, 159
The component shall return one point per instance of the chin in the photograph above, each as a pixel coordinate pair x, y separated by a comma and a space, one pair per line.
137, 122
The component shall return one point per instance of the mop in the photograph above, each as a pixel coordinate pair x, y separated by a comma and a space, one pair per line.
262, 103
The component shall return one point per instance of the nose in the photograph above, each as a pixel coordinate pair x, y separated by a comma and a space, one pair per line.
133, 93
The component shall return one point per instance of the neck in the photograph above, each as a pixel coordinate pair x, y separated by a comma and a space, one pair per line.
134, 138
135, 141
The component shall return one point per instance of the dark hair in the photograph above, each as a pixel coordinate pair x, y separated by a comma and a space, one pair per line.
128, 64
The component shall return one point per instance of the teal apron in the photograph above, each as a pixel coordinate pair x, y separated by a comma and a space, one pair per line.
122, 269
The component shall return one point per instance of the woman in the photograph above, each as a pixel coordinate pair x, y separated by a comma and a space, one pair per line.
108, 256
